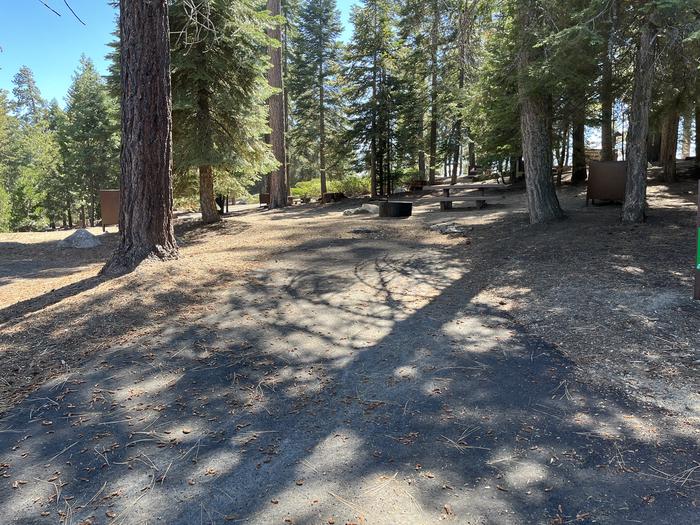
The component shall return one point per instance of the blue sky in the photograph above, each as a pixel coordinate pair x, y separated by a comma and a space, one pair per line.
51, 46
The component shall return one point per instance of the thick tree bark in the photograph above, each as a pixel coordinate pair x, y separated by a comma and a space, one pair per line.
277, 180
535, 125
434, 35
579, 172
634, 209
543, 204
145, 217
207, 200
669, 144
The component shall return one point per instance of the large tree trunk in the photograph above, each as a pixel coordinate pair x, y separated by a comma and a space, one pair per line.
434, 35
207, 200
669, 144
634, 209
145, 216
543, 204
535, 125
277, 180
578, 173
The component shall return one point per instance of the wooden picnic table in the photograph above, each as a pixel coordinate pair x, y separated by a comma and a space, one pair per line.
447, 200
464, 186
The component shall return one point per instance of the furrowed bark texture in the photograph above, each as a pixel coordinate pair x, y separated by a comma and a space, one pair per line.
535, 124
146, 223
634, 209
277, 180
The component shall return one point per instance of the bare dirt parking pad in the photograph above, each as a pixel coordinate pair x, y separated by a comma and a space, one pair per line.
300, 367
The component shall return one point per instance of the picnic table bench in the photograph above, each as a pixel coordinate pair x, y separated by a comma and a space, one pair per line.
480, 200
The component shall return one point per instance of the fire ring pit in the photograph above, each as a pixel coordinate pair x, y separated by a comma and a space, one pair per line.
398, 209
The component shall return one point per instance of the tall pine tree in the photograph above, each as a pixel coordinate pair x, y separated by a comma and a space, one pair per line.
89, 139
219, 68
318, 112
372, 79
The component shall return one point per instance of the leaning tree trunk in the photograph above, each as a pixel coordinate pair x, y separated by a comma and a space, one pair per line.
277, 180
535, 125
634, 209
145, 215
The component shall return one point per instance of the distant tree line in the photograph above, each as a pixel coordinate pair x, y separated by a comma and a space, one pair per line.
421, 89
53, 161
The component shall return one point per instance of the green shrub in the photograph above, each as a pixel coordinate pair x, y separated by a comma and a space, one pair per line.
350, 185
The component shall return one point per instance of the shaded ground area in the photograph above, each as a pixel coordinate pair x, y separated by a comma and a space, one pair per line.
302, 368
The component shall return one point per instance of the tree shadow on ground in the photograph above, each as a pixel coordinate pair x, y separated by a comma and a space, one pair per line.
356, 380
46, 259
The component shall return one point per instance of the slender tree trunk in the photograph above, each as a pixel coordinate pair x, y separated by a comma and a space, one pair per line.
277, 180
322, 133
421, 146
434, 91
472, 155
634, 209
579, 174
207, 199
561, 152
654, 146
606, 104
374, 154
535, 124
455, 162
697, 137
687, 134
669, 144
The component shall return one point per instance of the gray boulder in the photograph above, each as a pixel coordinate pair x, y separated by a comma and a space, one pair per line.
81, 239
